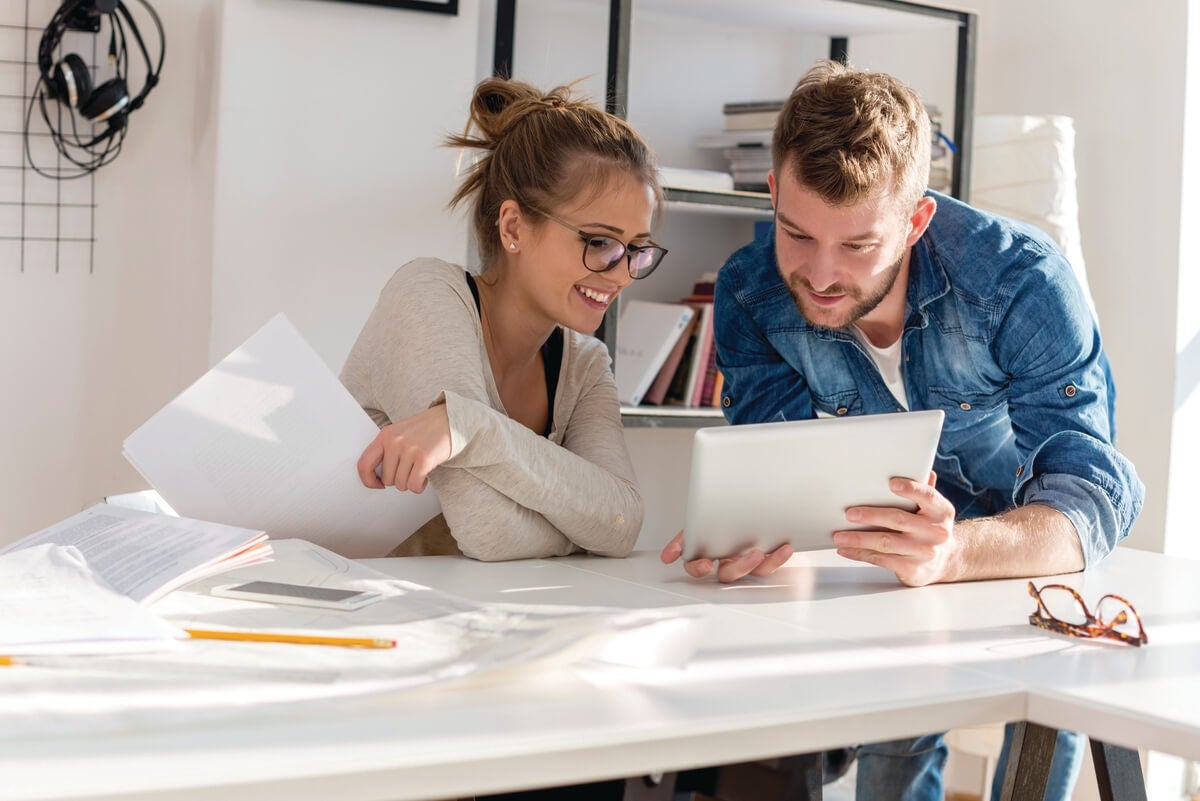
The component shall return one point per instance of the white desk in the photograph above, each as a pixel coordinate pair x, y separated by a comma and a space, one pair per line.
825, 653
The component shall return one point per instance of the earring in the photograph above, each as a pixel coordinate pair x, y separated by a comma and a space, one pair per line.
512, 245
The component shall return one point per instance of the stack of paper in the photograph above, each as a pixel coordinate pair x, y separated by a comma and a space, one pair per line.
51, 602
143, 555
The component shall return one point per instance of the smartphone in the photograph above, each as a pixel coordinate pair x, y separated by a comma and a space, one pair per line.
275, 592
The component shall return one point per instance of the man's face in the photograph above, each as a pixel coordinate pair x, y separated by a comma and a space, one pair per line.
840, 262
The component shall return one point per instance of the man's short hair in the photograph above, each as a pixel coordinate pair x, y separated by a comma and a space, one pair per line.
848, 133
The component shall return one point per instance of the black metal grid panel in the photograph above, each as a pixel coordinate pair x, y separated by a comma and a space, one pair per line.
45, 224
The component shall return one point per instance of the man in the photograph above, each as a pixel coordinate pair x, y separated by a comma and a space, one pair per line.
871, 295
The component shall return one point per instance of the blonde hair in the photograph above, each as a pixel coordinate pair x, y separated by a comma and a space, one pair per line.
847, 133
541, 150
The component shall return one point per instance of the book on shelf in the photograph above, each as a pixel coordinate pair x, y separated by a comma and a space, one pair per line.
704, 364
657, 392
679, 386
646, 334
704, 391
704, 288
751, 180
758, 120
702, 180
751, 106
752, 115
145, 555
724, 139
689, 378
748, 157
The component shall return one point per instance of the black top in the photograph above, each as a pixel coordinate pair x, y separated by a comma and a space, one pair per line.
552, 350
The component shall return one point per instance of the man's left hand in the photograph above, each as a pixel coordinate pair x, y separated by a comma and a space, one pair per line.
918, 547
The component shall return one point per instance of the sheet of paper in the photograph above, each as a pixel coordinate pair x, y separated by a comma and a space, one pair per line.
270, 439
144, 555
52, 603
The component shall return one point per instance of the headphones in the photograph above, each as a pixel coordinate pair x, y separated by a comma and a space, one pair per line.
68, 81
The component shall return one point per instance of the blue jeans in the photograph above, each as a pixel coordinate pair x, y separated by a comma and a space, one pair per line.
911, 770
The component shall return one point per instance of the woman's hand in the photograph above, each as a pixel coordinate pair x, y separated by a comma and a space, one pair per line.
405, 453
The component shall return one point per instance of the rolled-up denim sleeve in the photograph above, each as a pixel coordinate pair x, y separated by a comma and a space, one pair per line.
1048, 343
759, 386
1091, 483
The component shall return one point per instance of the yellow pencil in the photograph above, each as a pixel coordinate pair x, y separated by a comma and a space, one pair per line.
297, 639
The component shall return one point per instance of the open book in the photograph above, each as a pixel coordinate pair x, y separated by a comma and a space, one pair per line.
143, 555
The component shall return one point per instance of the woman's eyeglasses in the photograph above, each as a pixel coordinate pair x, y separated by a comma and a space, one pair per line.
601, 253
1060, 608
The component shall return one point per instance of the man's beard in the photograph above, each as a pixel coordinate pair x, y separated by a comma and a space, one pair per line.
864, 303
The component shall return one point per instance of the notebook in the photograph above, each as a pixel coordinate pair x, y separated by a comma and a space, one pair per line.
761, 485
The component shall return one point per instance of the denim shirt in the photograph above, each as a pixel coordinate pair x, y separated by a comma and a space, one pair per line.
998, 335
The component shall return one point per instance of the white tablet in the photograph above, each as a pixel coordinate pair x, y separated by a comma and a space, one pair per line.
759, 486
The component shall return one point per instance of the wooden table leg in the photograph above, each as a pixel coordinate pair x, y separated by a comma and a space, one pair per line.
1118, 772
1029, 757
806, 777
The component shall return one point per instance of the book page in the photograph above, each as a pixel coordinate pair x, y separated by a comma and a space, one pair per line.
143, 555
269, 439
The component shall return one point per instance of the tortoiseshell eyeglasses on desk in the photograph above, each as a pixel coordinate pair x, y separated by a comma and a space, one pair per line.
1060, 608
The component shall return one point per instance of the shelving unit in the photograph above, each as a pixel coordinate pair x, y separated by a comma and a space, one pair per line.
706, 226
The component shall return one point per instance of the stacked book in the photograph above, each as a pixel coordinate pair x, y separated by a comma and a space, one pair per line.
749, 165
746, 142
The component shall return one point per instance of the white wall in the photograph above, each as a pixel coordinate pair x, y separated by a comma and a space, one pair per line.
329, 174
288, 161
84, 359
1119, 72
1182, 537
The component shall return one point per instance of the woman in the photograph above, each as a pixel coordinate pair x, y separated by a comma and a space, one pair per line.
491, 387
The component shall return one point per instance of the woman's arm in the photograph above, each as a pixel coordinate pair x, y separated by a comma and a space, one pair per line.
506, 492
584, 488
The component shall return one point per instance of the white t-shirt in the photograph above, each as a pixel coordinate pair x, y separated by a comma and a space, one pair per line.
887, 361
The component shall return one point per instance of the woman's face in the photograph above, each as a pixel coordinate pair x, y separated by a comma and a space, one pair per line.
563, 288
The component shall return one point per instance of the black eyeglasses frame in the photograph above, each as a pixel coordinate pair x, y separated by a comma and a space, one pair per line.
626, 253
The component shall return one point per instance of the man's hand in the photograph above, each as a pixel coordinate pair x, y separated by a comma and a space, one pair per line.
728, 570
919, 547
404, 453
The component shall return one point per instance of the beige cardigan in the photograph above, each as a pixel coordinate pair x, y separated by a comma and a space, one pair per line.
506, 492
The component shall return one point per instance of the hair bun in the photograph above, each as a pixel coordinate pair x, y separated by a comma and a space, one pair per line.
494, 102
501, 103
539, 149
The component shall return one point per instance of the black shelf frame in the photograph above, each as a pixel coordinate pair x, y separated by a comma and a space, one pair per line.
620, 15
